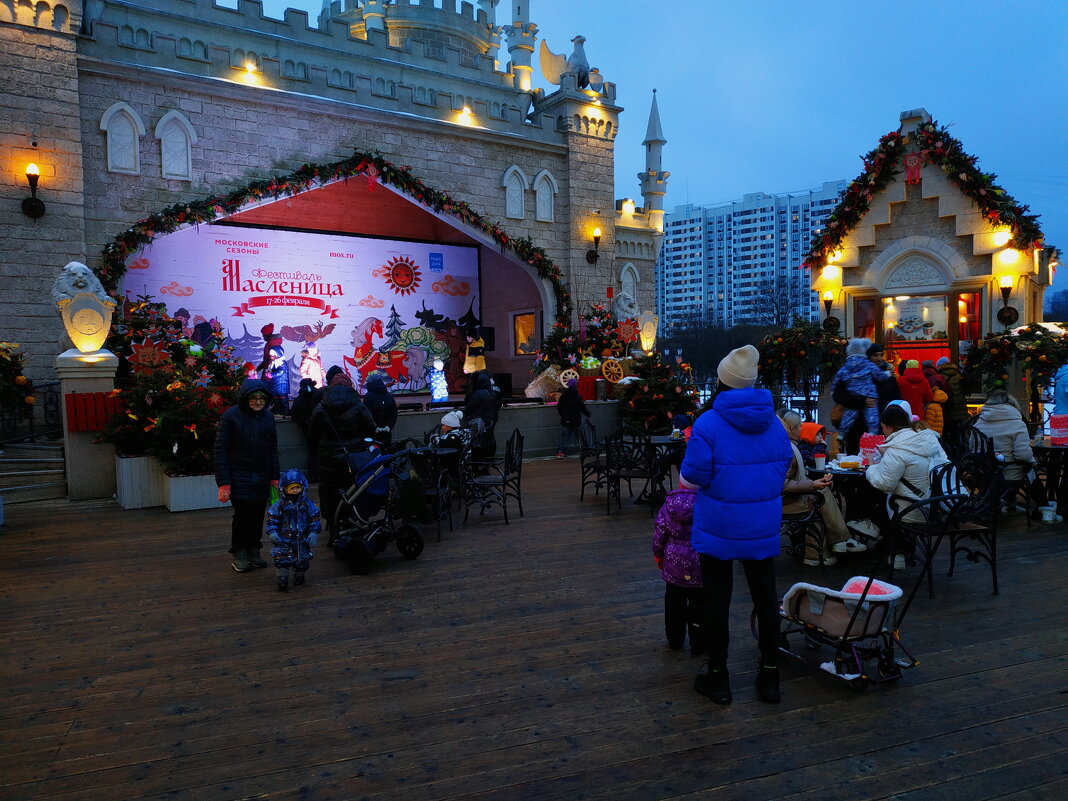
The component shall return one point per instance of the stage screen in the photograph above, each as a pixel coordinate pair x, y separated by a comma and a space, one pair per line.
371, 306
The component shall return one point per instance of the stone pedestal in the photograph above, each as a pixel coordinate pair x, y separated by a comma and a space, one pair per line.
90, 467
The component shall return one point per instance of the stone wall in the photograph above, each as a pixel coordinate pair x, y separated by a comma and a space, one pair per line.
38, 105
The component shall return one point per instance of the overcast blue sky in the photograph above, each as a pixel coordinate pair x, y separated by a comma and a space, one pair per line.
781, 95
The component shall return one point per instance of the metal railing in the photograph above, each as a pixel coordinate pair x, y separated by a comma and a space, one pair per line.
46, 422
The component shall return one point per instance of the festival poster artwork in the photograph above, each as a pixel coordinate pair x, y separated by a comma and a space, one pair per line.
373, 306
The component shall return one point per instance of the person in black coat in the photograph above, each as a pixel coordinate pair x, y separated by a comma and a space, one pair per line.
304, 404
481, 405
887, 385
383, 409
246, 467
571, 408
341, 425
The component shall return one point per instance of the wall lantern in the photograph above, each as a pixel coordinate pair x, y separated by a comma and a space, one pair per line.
1007, 315
828, 301
593, 255
32, 206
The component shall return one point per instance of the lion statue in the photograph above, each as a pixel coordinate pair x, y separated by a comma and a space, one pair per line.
625, 307
78, 279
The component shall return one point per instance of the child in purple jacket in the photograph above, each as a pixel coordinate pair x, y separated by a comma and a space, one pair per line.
680, 567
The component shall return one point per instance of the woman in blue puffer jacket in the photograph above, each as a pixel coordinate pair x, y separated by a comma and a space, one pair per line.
737, 459
1060, 391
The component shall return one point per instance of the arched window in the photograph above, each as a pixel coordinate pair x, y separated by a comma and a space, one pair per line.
545, 190
515, 187
628, 281
123, 127
176, 139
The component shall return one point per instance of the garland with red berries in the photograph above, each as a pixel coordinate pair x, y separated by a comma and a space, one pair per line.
372, 165
938, 148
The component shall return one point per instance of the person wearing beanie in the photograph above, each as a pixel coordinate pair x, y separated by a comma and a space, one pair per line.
737, 459
914, 387
955, 410
886, 384
855, 387
572, 408
246, 467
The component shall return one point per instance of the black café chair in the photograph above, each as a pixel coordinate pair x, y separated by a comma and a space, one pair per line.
501, 480
628, 457
974, 529
800, 530
591, 459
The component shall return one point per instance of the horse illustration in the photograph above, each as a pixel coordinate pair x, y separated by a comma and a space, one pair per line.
365, 360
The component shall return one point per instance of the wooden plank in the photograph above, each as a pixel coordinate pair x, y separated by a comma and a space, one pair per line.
508, 662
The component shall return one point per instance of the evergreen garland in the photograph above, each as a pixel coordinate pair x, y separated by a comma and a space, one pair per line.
939, 148
373, 166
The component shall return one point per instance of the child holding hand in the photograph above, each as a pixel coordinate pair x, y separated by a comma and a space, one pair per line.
680, 567
293, 525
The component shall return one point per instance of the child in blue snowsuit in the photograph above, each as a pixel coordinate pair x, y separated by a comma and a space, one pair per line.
293, 526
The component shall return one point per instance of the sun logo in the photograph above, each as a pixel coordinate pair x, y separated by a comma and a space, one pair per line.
401, 274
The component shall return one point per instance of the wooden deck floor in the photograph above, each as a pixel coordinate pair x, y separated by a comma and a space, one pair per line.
518, 662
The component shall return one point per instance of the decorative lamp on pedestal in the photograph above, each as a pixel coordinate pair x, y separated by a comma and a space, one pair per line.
647, 331
86, 311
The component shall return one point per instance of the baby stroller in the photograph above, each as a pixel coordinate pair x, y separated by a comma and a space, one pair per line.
859, 623
371, 513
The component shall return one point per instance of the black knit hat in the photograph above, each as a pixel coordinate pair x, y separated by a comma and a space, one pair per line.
873, 348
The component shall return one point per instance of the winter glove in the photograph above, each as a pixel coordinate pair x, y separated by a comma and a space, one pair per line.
313, 540
659, 562
224, 493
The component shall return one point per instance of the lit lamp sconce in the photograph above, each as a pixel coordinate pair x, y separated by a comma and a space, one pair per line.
1007, 315
647, 322
593, 255
828, 301
32, 206
1005, 283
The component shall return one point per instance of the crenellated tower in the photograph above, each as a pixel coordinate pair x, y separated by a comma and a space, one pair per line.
521, 36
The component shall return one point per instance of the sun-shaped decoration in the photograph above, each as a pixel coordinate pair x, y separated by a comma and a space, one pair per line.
402, 275
627, 330
148, 356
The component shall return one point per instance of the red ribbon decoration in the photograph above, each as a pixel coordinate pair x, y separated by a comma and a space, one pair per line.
283, 300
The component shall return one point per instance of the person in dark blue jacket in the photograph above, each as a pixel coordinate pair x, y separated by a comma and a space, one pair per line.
246, 467
737, 459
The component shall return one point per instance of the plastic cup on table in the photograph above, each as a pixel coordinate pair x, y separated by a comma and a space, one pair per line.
821, 462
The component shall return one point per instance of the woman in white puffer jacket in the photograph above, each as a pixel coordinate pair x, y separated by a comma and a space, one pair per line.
908, 454
1002, 421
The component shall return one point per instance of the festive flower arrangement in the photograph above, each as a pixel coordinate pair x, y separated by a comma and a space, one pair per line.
16, 390
1037, 348
172, 390
371, 165
597, 337
938, 147
651, 402
804, 357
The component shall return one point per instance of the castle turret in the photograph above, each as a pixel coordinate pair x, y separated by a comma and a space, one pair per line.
521, 38
654, 179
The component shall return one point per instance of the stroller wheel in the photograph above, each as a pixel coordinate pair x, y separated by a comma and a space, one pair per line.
409, 541
888, 666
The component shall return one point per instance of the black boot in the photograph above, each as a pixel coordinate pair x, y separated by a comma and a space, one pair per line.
254, 558
715, 684
767, 684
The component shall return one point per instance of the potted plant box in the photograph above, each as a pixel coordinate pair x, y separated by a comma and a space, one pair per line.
184, 493
138, 481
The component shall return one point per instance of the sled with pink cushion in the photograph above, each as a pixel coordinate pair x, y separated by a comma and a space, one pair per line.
856, 626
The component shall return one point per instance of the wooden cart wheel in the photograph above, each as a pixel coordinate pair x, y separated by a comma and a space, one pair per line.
612, 370
567, 375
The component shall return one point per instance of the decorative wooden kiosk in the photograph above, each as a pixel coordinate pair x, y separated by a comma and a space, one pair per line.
925, 253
